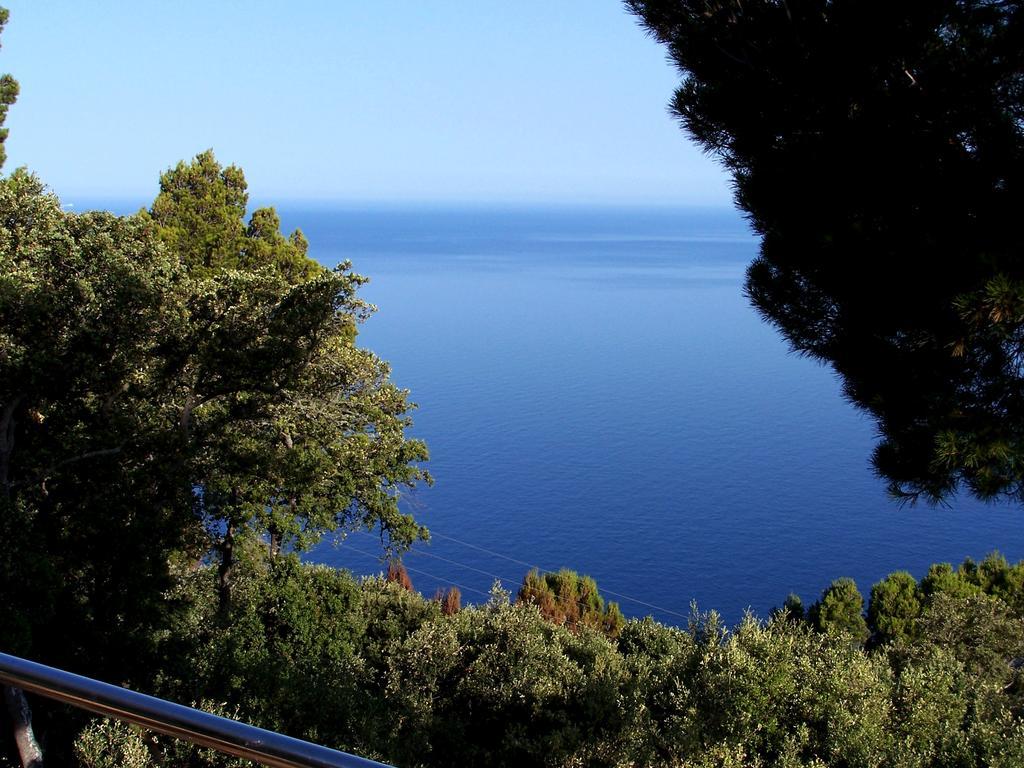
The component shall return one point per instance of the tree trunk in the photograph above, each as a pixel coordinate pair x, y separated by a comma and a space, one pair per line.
28, 748
7, 425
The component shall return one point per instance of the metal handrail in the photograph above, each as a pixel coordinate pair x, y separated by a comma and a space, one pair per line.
202, 728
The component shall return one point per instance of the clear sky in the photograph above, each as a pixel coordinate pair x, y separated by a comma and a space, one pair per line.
389, 100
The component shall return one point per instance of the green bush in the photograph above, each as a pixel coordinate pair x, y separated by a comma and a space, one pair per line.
375, 669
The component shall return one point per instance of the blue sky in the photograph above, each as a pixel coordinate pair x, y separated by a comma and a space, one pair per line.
391, 100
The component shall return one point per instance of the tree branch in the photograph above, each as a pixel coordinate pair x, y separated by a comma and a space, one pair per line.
39, 476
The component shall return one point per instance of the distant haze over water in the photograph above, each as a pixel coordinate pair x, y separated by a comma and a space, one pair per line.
597, 394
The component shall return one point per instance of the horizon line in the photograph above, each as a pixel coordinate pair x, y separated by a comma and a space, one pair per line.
257, 201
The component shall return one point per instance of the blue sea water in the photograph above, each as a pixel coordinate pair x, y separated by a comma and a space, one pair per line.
597, 393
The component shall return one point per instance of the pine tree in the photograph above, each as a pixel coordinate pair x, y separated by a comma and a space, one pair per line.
878, 149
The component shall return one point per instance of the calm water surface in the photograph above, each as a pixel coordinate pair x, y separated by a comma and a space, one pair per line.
597, 393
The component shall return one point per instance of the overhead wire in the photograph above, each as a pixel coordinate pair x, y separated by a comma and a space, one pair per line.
462, 587
531, 566
422, 553
619, 595
583, 605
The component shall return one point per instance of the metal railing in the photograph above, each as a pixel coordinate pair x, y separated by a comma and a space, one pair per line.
202, 728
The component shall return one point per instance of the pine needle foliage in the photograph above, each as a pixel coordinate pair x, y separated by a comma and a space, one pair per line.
878, 150
571, 600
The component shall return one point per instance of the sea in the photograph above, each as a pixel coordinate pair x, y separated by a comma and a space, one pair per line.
598, 394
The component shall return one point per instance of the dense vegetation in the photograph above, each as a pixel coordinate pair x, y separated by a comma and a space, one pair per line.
164, 408
184, 408
191, 402
931, 678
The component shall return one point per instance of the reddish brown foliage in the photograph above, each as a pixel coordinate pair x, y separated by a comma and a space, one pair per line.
452, 602
449, 599
398, 575
571, 600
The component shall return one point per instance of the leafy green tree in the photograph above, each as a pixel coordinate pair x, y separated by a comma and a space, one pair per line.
981, 632
996, 577
85, 449
379, 670
286, 657
894, 607
878, 149
80, 433
660, 660
195, 415
840, 609
772, 691
1011, 589
992, 576
501, 686
792, 609
317, 440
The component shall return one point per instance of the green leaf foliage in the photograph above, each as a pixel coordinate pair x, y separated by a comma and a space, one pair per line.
376, 669
83, 411
159, 410
894, 607
840, 610
200, 213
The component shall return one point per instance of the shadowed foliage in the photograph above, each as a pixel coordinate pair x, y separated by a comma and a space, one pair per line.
878, 150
